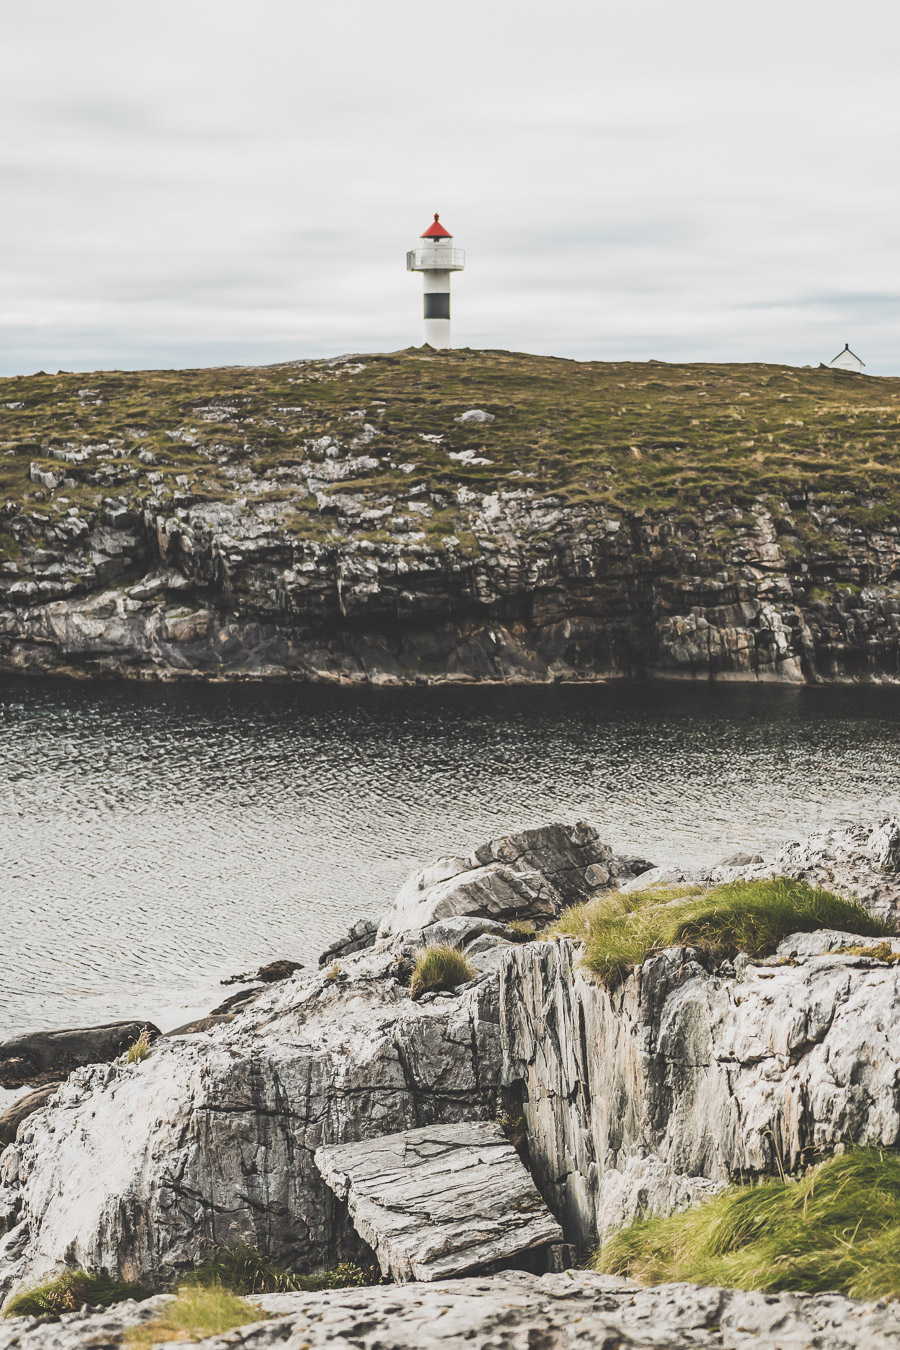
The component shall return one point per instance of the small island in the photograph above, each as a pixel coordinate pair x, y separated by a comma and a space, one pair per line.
426, 516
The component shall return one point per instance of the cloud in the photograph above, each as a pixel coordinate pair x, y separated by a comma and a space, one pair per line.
203, 183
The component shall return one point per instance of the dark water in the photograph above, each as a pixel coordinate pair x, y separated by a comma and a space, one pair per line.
153, 841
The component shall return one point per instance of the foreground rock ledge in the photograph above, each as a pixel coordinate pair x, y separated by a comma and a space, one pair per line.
514, 1311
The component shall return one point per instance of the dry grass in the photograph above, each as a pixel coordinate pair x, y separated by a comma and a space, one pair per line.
198, 1311
139, 1049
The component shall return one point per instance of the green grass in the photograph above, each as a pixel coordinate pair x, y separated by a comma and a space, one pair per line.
641, 436
620, 931
439, 967
232, 1272
70, 1291
242, 1270
836, 1228
198, 1311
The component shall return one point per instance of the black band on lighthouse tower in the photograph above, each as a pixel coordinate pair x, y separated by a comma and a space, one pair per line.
437, 304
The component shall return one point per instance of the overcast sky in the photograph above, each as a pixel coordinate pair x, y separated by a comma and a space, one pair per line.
192, 182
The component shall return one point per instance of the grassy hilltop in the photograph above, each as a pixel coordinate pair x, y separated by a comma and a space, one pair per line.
644, 437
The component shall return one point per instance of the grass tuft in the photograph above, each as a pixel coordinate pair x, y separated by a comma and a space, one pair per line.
620, 931
198, 1311
439, 967
140, 1048
71, 1291
836, 1229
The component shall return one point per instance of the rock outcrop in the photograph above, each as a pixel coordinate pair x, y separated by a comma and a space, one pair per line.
512, 1311
41, 1057
531, 875
215, 1133
647, 1098
650, 1097
251, 535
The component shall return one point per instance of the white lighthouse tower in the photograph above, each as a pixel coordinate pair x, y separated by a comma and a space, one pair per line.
435, 258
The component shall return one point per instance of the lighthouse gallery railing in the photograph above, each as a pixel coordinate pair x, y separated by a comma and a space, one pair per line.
453, 259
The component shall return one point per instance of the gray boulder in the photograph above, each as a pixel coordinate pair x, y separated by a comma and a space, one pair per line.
21, 1109
530, 875
359, 936
47, 1056
440, 1201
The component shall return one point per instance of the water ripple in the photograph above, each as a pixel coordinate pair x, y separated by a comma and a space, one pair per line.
155, 840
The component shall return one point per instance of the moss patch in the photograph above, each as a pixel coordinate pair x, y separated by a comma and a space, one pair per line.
881, 951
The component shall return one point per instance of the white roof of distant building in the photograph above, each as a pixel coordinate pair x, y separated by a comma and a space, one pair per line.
847, 352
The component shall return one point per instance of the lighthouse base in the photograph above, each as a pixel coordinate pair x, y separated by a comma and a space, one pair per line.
437, 332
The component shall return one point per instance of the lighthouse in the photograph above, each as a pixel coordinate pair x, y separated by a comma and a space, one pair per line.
436, 258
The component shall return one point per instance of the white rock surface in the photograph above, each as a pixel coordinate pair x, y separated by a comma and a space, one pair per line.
439, 1201
211, 1138
681, 1080
474, 417
576, 1310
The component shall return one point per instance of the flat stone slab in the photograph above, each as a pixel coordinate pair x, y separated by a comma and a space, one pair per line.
440, 1200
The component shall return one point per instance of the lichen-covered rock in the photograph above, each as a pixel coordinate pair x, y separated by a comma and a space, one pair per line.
513, 1311
681, 1080
441, 1200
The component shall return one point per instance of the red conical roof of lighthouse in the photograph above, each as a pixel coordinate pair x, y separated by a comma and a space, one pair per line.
436, 231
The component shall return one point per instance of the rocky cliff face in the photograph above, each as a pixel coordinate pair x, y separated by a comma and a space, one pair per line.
351, 521
214, 1134
682, 1080
646, 1098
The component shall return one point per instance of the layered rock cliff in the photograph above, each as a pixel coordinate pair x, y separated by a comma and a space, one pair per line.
451, 515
